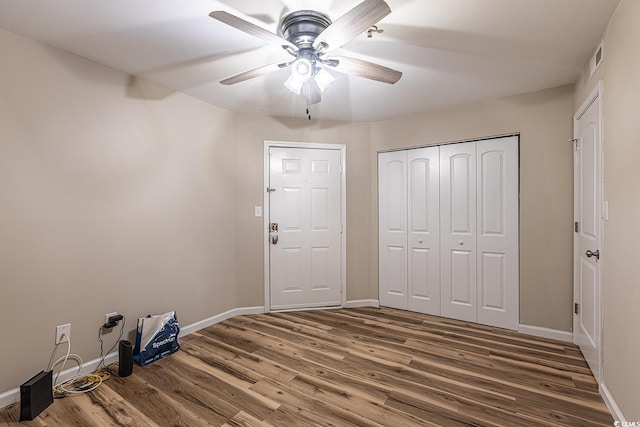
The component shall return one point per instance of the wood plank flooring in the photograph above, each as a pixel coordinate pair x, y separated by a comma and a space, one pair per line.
349, 367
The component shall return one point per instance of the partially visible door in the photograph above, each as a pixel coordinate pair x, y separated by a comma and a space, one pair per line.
423, 167
458, 231
305, 245
392, 199
588, 240
497, 238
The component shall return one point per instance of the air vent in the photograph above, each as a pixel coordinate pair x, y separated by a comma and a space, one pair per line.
596, 59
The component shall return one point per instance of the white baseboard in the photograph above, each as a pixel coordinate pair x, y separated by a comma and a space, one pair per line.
611, 404
362, 303
12, 396
194, 327
553, 334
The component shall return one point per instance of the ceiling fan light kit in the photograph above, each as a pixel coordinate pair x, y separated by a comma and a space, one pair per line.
308, 36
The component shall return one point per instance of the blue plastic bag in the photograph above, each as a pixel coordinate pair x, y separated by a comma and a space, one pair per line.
157, 337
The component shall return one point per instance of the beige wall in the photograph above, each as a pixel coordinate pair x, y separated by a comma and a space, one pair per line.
544, 122
620, 72
110, 200
251, 133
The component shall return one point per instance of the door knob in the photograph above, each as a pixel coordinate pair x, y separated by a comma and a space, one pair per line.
595, 253
274, 239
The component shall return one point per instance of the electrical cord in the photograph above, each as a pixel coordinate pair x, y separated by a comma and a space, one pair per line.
104, 355
65, 357
81, 384
60, 389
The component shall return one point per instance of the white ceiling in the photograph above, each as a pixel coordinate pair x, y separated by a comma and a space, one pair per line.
452, 52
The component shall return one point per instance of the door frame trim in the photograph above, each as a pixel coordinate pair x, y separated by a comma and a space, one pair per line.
596, 94
342, 148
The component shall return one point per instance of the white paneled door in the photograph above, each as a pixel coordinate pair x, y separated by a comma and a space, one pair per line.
497, 232
305, 259
588, 231
409, 269
423, 238
392, 197
458, 230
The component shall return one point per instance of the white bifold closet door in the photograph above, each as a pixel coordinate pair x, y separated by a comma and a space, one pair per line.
448, 229
498, 272
423, 230
392, 215
458, 231
409, 219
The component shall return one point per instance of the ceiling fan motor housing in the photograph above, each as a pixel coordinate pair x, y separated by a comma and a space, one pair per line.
302, 27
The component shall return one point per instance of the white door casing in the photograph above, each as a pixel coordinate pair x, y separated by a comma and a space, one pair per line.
305, 266
423, 167
587, 326
392, 229
458, 231
498, 232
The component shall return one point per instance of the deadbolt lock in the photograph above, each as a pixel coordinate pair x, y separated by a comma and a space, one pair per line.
273, 227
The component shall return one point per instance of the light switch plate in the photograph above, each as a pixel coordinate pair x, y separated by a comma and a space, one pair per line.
258, 211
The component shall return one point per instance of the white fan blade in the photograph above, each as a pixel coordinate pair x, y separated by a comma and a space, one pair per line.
355, 22
256, 72
365, 69
252, 29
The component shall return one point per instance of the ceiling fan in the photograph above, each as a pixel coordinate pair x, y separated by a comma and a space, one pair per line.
308, 36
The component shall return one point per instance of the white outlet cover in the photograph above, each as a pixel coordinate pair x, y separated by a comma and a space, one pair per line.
63, 330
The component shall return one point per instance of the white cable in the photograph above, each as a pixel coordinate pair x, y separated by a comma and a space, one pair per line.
63, 385
78, 360
66, 357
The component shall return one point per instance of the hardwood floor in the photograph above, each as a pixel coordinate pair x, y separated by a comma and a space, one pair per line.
364, 367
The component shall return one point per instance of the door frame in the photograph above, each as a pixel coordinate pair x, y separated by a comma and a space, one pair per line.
342, 148
596, 94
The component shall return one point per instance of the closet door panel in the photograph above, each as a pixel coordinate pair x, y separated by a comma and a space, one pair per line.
392, 211
498, 271
458, 231
423, 166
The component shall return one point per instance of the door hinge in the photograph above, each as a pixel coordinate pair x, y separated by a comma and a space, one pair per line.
576, 226
270, 190
576, 308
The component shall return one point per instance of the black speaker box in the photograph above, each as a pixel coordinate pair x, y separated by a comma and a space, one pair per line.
36, 395
125, 358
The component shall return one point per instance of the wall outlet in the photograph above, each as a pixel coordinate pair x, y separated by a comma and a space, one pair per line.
63, 330
108, 315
